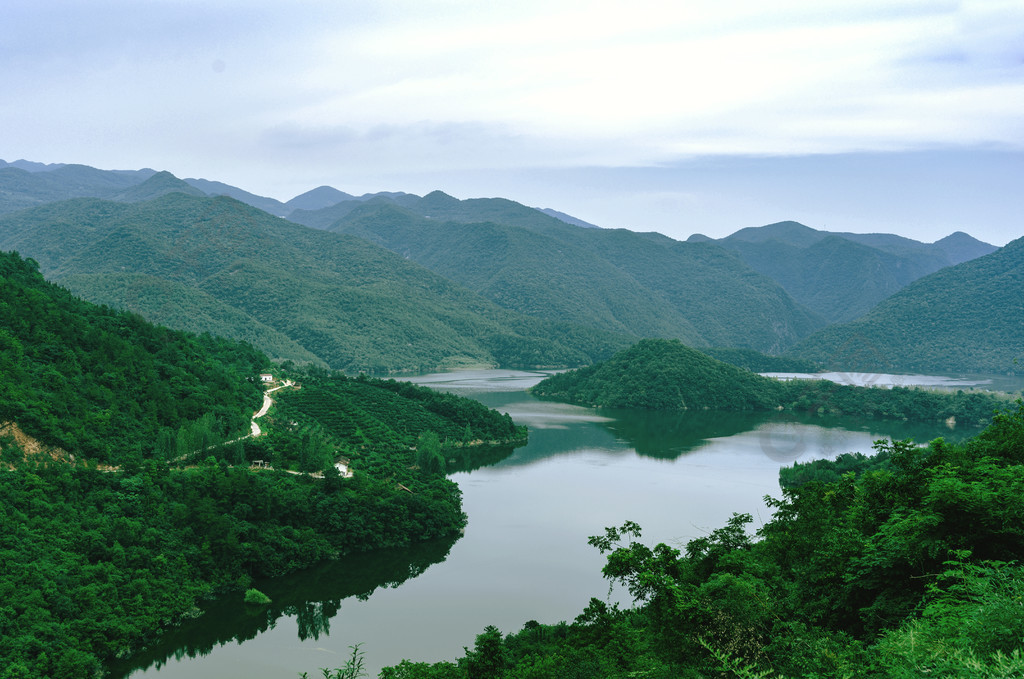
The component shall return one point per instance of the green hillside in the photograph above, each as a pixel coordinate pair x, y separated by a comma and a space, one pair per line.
667, 375
20, 189
966, 318
96, 563
215, 188
618, 280
179, 305
159, 184
522, 270
350, 304
107, 385
843, 275
662, 375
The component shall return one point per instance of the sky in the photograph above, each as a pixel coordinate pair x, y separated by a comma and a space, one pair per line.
680, 116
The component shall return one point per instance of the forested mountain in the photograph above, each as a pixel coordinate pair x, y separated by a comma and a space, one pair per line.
762, 288
97, 562
657, 374
31, 166
568, 219
843, 275
21, 189
348, 303
158, 185
215, 188
522, 259
320, 197
969, 318
961, 247
107, 385
522, 270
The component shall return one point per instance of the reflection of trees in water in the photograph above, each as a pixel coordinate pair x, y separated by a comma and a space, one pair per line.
474, 457
669, 435
312, 596
314, 617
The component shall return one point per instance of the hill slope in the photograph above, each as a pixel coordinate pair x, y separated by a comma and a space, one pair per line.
106, 384
98, 563
349, 303
843, 275
662, 375
20, 189
643, 284
969, 318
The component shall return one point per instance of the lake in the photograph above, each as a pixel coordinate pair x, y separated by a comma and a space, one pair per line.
524, 555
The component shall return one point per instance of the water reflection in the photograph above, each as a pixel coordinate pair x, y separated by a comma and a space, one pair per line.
313, 596
478, 457
783, 437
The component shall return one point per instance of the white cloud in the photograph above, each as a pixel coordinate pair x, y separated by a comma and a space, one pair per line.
669, 78
280, 96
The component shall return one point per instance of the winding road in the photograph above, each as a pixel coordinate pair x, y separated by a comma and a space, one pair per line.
267, 402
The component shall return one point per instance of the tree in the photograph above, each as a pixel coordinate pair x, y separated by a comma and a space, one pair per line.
428, 454
489, 657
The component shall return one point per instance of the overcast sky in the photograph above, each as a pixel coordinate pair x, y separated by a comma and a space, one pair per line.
679, 116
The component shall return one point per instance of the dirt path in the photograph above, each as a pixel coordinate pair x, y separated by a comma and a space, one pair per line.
267, 402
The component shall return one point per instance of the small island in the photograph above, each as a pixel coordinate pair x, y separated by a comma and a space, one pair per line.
656, 374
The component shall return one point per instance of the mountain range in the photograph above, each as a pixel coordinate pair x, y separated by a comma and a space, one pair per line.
218, 265
964, 318
394, 281
842, 275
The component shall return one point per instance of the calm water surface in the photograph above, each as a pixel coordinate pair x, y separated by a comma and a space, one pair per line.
524, 555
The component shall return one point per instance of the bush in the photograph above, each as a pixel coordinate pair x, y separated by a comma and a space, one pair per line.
254, 596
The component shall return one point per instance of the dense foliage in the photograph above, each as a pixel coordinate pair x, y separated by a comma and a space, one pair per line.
666, 375
907, 570
94, 565
97, 561
965, 318
662, 375
108, 385
214, 264
646, 285
20, 188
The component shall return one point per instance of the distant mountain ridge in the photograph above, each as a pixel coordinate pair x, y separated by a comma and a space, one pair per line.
843, 275
964, 318
646, 285
761, 288
217, 265
30, 166
568, 219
